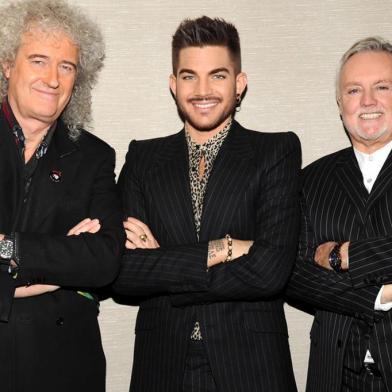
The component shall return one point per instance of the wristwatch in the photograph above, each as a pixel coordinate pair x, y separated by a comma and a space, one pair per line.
6, 248
335, 260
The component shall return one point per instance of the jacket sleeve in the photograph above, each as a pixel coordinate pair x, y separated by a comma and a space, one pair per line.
173, 269
264, 271
87, 260
324, 289
370, 262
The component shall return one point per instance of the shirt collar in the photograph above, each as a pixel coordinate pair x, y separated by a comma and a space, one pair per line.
378, 157
215, 140
17, 131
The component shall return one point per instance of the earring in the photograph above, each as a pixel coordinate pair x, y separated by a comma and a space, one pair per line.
238, 103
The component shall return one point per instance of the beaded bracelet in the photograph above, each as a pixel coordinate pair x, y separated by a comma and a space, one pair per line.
230, 248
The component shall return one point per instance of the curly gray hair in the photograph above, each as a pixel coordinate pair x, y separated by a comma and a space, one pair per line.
370, 44
51, 16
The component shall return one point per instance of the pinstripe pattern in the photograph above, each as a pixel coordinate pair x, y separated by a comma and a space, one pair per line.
362, 382
337, 207
252, 193
198, 376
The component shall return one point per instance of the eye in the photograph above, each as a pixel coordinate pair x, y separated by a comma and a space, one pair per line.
353, 91
188, 77
38, 62
67, 68
219, 76
383, 87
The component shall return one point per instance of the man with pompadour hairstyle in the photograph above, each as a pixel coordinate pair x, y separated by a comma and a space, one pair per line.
211, 232
61, 235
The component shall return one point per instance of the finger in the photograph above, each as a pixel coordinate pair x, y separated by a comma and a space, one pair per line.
141, 228
141, 225
132, 227
91, 226
95, 228
130, 245
139, 237
156, 244
87, 227
135, 226
76, 227
135, 239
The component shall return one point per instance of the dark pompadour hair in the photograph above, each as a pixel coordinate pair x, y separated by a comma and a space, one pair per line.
205, 31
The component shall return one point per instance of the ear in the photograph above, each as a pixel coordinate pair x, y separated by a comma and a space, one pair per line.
241, 82
6, 70
339, 103
173, 84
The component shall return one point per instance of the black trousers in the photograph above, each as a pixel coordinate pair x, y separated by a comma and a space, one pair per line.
198, 376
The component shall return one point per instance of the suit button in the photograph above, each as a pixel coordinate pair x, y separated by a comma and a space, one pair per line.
366, 280
60, 321
340, 343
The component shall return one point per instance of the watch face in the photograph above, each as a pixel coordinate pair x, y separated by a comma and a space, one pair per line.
6, 249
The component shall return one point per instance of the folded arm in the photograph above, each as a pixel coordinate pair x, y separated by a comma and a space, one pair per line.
183, 270
85, 226
314, 283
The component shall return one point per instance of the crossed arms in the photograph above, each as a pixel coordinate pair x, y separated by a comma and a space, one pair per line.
194, 272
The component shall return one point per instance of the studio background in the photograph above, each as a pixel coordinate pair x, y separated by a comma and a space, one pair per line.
290, 51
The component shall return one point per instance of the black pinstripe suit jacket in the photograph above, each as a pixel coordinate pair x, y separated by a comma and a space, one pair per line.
337, 207
252, 194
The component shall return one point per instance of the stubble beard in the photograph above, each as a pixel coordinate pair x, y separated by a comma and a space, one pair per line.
369, 137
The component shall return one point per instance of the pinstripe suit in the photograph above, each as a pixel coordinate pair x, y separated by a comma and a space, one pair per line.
337, 207
251, 194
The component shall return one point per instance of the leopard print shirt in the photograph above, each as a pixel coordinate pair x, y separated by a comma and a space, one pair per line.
209, 150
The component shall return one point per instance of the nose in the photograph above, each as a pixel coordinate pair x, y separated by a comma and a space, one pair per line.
51, 77
203, 87
368, 98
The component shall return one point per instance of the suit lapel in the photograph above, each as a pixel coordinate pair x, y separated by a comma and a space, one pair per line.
226, 186
10, 178
62, 159
350, 177
170, 190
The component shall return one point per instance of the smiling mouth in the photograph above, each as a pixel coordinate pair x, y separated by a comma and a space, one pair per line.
204, 103
370, 116
47, 93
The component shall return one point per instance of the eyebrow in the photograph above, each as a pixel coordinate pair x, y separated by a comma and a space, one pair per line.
355, 83
42, 56
214, 71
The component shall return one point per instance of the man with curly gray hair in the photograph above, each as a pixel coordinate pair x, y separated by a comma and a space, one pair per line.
61, 233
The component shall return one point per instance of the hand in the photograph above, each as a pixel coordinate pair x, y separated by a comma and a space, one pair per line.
139, 235
1, 237
386, 295
218, 250
85, 226
240, 248
321, 257
33, 290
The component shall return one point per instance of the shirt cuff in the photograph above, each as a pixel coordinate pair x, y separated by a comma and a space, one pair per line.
379, 306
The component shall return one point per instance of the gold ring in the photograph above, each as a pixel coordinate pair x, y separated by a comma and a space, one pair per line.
143, 237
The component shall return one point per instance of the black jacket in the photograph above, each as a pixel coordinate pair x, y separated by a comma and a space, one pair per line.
252, 194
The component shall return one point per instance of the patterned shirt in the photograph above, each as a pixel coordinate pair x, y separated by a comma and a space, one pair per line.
208, 150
